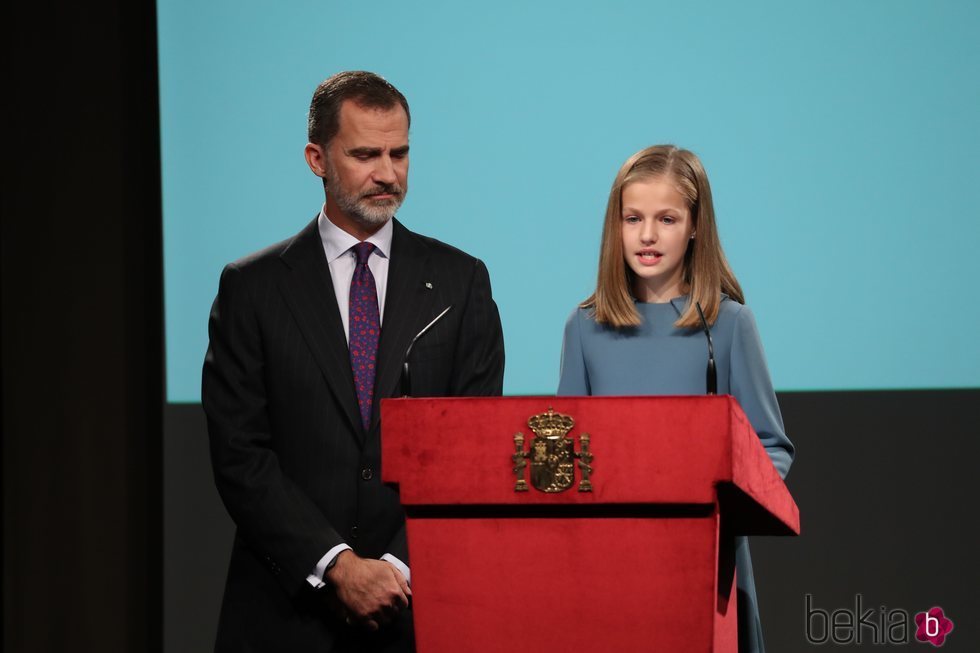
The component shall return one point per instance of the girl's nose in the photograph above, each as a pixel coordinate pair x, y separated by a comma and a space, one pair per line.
648, 234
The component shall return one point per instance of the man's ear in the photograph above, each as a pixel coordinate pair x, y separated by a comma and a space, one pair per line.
316, 158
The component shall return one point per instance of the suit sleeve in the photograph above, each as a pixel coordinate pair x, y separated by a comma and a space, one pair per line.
478, 364
751, 385
574, 377
275, 518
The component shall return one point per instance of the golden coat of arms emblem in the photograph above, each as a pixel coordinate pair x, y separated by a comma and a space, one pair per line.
552, 454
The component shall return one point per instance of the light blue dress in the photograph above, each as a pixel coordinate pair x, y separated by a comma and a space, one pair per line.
657, 358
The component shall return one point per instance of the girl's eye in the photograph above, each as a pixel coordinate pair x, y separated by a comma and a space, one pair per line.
631, 219
668, 220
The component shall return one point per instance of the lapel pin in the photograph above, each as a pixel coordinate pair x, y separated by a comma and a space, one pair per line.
428, 284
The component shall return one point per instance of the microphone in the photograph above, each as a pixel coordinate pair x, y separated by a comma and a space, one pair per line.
406, 377
711, 376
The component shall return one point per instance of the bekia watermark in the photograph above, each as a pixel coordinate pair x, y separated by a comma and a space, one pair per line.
932, 626
880, 625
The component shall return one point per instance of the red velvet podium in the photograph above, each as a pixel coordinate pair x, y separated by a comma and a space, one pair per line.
641, 561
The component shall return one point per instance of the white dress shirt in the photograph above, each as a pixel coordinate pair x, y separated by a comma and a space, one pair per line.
337, 245
342, 260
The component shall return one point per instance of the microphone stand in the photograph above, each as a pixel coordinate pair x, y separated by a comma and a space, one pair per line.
711, 375
406, 382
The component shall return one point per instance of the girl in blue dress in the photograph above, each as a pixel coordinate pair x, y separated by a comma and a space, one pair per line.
640, 331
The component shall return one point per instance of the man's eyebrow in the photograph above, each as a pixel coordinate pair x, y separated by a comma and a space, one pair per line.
364, 151
375, 151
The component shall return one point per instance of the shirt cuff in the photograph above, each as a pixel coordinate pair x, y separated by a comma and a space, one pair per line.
316, 578
400, 566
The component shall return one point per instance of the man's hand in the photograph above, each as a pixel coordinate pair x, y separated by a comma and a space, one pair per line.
372, 592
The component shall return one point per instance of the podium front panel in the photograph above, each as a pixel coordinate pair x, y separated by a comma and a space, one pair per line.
618, 584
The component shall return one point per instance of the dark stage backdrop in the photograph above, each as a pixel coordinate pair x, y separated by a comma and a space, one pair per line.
884, 482
82, 310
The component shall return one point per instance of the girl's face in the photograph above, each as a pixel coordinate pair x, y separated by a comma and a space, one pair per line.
657, 228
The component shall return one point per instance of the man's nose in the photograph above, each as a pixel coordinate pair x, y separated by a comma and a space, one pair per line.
384, 170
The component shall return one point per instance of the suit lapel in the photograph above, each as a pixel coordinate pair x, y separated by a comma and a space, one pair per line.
308, 291
407, 309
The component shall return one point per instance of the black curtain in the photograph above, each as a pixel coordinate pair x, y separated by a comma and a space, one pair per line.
82, 329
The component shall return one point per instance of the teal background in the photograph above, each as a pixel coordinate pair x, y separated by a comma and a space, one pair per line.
839, 138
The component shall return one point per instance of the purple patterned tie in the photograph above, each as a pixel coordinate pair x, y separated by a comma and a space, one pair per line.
365, 328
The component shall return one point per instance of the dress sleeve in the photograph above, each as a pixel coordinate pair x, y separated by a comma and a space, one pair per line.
574, 380
751, 385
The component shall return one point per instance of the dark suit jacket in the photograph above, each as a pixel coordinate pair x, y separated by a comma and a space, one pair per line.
292, 461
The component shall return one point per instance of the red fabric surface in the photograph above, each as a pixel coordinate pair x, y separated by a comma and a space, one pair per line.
648, 450
753, 473
486, 577
483, 585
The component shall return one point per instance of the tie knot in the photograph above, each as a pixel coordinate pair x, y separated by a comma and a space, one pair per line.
363, 252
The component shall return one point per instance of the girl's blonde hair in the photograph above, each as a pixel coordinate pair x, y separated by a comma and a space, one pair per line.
706, 270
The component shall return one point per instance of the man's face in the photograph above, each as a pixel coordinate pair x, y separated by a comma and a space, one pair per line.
365, 167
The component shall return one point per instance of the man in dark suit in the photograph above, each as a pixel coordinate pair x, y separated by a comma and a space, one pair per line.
306, 337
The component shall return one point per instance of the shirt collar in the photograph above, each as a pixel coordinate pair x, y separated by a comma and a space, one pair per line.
337, 242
